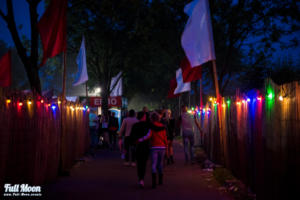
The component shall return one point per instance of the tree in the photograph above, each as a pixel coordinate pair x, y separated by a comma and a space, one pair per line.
30, 61
106, 25
248, 28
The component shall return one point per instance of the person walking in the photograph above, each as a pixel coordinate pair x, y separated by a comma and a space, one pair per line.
140, 130
93, 119
113, 126
186, 121
125, 131
169, 122
159, 144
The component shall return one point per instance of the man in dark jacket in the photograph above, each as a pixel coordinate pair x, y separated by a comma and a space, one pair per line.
140, 130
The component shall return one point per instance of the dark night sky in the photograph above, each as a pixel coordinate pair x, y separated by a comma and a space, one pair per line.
22, 18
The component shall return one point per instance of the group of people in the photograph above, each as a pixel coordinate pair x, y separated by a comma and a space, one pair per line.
151, 133
103, 130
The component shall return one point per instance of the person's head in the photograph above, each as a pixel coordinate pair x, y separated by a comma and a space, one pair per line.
140, 116
113, 114
131, 113
154, 117
168, 113
145, 109
183, 109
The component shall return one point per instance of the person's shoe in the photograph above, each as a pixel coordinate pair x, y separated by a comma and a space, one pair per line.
160, 179
126, 164
133, 164
153, 180
141, 184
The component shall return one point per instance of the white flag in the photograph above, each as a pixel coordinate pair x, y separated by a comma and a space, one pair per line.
82, 75
117, 82
197, 38
181, 86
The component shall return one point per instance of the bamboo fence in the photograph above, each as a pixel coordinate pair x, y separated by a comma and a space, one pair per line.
257, 136
35, 143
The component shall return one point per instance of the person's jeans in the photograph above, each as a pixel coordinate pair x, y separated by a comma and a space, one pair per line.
157, 156
129, 150
188, 143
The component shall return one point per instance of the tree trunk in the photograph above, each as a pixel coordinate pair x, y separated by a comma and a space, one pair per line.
105, 96
34, 79
30, 62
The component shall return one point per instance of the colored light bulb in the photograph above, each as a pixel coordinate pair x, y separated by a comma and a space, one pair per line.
280, 98
270, 96
8, 101
53, 107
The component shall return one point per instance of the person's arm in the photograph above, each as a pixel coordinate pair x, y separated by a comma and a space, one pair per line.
146, 137
156, 128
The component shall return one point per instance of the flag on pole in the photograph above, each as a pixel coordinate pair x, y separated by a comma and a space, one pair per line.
5, 70
181, 86
116, 85
197, 39
82, 75
189, 73
52, 28
173, 86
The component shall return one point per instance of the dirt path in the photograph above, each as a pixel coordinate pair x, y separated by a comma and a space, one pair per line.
104, 177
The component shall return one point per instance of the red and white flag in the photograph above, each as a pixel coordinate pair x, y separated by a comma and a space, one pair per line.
181, 86
52, 28
189, 73
5, 70
197, 38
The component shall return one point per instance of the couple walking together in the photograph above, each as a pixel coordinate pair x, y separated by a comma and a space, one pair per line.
149, 137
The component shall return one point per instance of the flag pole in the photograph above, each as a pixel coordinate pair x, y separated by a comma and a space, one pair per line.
189, 99
64, 77
179, 105
216, 80
200, 83
86, 90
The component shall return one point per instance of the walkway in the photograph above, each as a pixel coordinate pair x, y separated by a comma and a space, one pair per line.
104, 177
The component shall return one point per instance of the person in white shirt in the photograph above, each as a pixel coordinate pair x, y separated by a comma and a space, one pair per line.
126, 131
